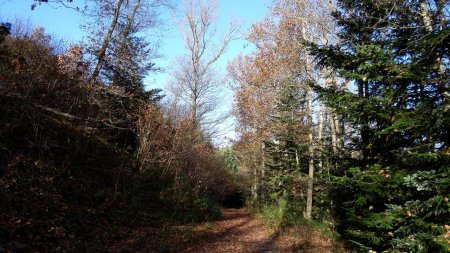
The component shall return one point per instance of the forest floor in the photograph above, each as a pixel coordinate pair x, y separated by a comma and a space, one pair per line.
237, 231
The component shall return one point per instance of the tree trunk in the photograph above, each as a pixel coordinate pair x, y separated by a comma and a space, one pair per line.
255, 185
320, 135
102, 51
309, 193
263, 174
444, 86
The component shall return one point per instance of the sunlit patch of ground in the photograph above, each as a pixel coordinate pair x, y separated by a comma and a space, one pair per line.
237, 231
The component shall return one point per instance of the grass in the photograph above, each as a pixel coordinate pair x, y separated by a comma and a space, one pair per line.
273, 214
301, 234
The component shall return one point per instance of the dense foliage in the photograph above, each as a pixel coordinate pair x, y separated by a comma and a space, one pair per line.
395, 195
374, 134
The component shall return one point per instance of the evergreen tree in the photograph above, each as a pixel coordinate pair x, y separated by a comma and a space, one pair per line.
122, 55
128, 65
229, 158
394, 196
286, 149
5, 29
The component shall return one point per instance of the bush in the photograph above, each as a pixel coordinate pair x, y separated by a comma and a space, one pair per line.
66, 152
186, 159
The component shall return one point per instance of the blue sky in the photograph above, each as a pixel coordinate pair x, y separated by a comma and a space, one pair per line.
64, 24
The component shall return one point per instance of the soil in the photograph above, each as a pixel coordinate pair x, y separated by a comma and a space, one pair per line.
237, 231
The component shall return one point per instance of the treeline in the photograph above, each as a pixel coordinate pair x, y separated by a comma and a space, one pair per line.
344, 113
86, 149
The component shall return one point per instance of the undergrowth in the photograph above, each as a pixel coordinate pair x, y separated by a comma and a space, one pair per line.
287, 218
83, 164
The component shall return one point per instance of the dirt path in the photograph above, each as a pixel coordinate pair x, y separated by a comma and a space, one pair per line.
240, 231
237, 231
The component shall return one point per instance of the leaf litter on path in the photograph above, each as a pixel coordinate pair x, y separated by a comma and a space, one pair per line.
238, 231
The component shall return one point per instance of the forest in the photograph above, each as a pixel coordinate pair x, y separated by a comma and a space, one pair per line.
341, 115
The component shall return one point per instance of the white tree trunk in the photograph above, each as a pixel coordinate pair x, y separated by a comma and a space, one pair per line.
309, 193
102, 51
320, 135
425, 13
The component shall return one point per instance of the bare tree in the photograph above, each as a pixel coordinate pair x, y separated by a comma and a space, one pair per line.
196, 82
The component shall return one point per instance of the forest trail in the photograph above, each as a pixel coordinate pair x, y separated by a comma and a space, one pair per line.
236, 231
240, 231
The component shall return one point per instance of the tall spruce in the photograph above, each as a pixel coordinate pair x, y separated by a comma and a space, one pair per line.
286, 149
129, 64
393, 190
